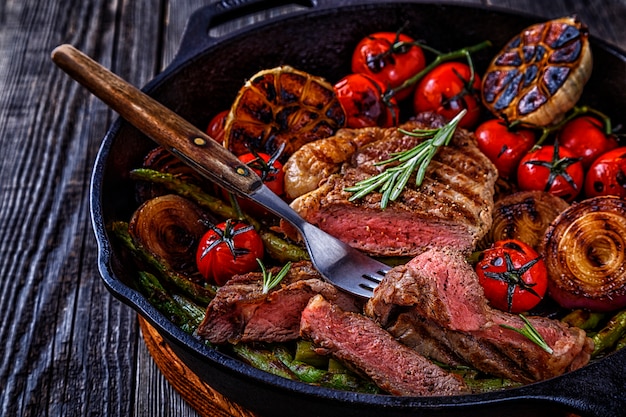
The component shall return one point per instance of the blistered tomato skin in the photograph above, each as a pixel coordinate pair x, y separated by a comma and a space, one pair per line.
228, 249
585, 137
389, 58
215, 129
446, 90
552, 169
504, 147
513, 276
607, 175
362, 100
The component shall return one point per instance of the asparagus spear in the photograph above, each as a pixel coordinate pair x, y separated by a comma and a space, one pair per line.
307, 373
193, 310
608, 336
264, 360
199, 294
277, 247
621, 343
583, 319
306, 354
165, 303
190, 191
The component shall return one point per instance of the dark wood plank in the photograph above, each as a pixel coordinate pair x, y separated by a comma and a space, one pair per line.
70, 348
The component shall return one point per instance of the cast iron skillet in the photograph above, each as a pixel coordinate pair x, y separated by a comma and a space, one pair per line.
318, 37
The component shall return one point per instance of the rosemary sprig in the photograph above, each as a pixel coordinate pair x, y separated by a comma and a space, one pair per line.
269, 280
392, 180
531, 333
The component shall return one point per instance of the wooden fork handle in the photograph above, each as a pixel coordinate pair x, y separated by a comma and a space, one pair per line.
158, 122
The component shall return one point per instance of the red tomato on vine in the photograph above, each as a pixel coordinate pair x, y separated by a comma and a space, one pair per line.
607, 174
362, 99
271, 172
513, 276
447, 90
552, 169
228, 249
215, 129
585, 137
391, 58
503, 146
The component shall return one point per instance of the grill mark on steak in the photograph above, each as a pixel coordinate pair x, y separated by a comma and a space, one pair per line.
452, 207
438, 294
358, 341
241, 312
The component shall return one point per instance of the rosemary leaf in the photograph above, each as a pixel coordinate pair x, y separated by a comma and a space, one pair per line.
531, 333
392, 180
269, 280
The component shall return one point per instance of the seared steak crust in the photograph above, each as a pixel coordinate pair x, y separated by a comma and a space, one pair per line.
357, 340
436, 297
241, 312
452, 207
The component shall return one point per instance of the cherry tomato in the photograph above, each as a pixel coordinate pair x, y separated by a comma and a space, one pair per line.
553, 169
362, 100
390, 58
607, 174
215, 129
447, 90
228, 249
270, 170
513, 276
504, 147
585, 137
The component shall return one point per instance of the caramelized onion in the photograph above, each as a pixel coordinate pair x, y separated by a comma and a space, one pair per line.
525, 216
170, 227
584, 250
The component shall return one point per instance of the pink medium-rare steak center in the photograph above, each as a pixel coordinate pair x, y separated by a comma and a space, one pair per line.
452, 207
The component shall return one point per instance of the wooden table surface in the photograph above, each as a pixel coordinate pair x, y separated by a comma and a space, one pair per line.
68, 347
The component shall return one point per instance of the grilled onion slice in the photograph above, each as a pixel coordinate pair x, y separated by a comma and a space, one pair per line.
170, 227
540, 74
525, 215
584, 251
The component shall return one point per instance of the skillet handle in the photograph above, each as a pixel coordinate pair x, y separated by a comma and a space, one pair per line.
197, 35
159, 123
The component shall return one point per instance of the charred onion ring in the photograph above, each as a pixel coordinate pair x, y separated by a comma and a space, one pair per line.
169, 227
584, 251
525, 215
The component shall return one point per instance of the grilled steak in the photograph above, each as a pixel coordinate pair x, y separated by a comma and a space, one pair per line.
358, 341
452, 207
241, 312
436, 297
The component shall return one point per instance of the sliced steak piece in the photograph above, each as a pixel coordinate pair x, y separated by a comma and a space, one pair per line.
241, 312
435, 304
361, 343
452, 207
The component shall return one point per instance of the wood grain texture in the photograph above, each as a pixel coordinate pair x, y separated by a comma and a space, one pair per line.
68, 347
